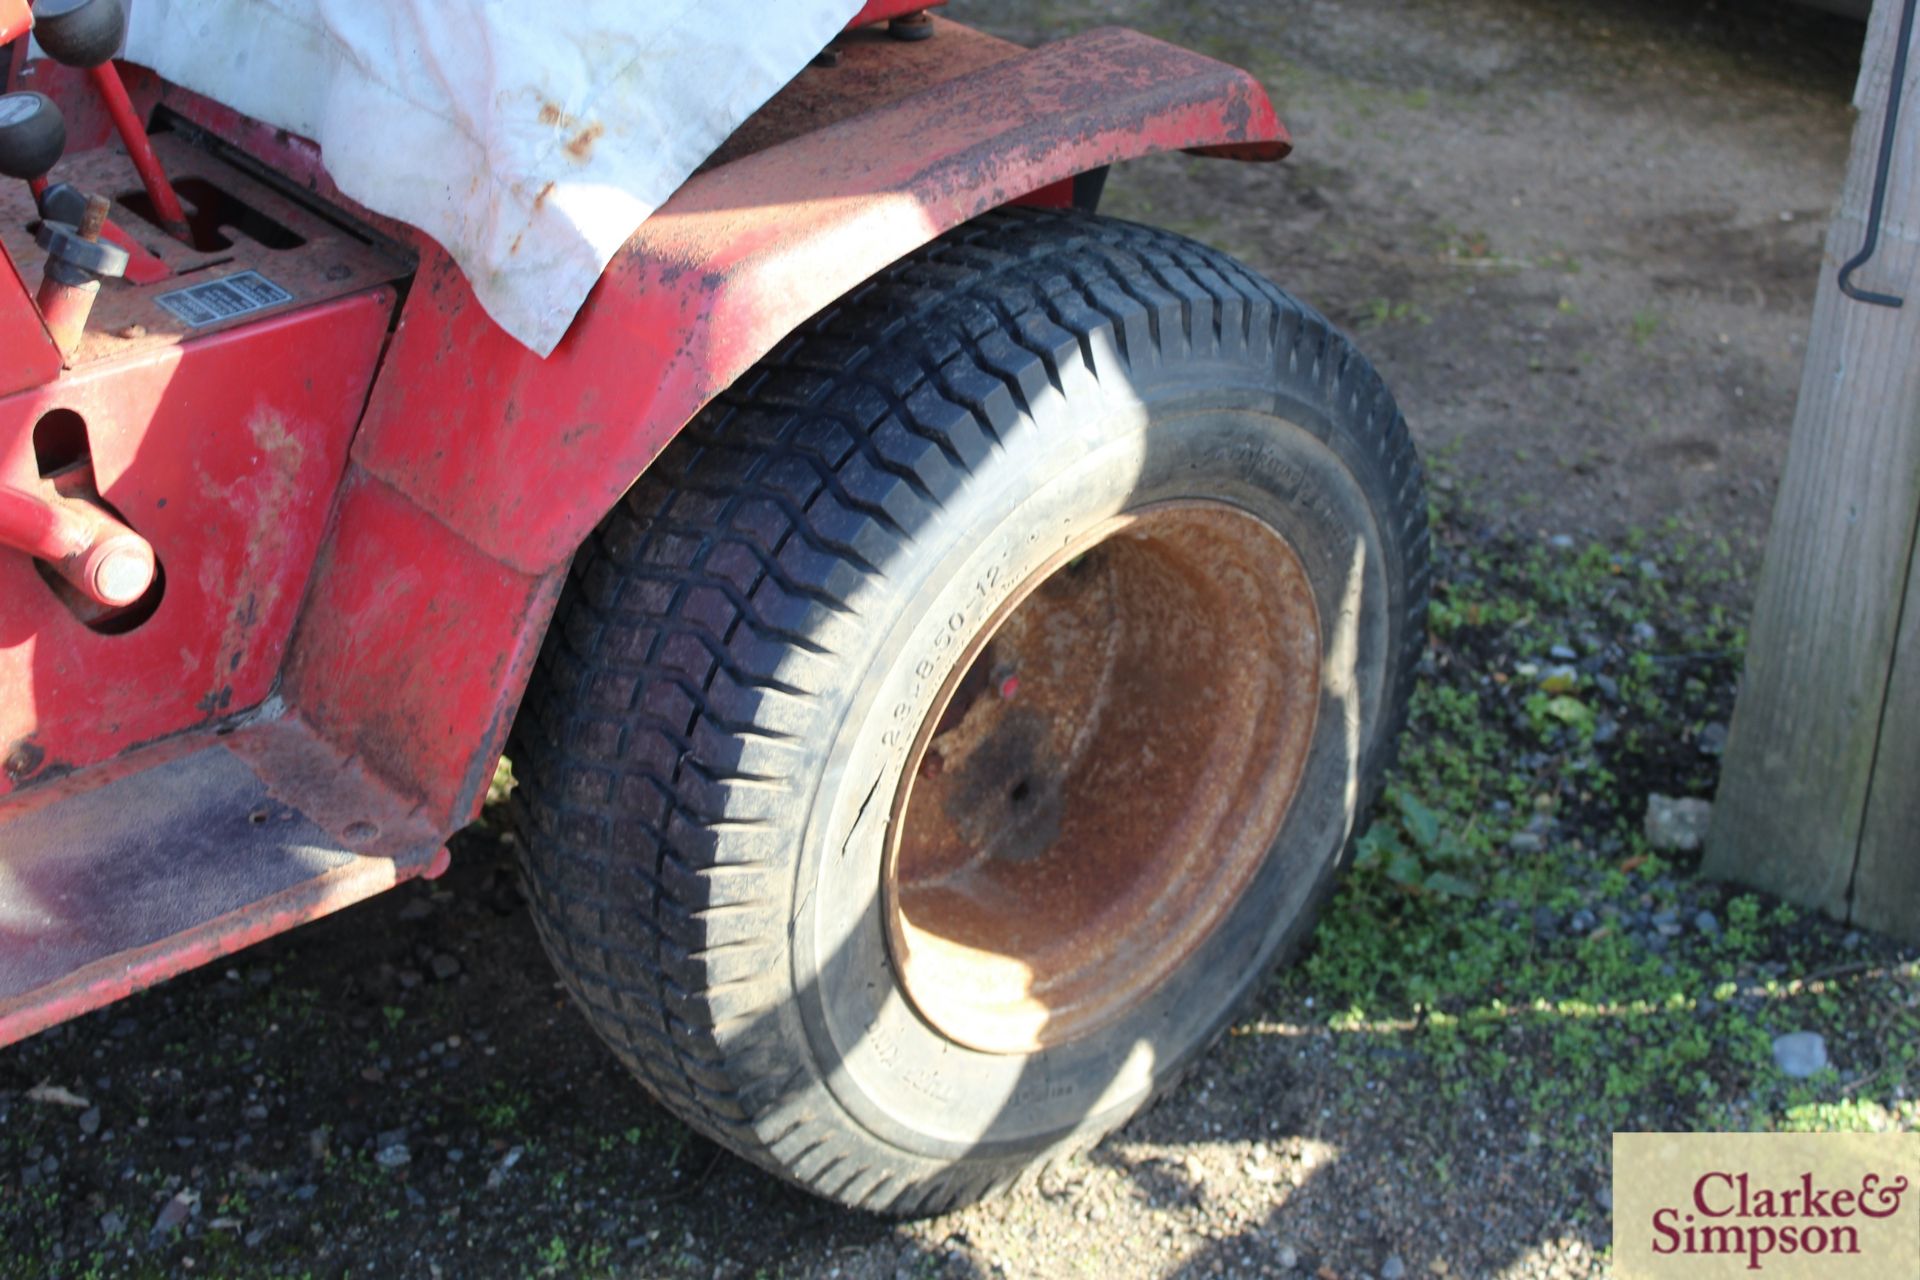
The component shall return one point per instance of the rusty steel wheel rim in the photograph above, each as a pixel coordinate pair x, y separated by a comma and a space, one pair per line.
1102, 773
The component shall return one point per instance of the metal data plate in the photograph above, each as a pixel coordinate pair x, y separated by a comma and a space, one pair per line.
228, 298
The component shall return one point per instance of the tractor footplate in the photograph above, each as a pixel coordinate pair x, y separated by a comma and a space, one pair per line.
199, 847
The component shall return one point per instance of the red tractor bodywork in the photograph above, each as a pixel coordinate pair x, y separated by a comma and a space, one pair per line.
364, 495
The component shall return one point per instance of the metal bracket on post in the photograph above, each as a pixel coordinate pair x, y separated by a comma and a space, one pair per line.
1877, 208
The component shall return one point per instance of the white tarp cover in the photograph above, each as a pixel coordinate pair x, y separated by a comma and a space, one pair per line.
529, 139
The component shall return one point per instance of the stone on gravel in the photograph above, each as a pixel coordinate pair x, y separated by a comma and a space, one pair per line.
1677, 825
90, 1121
1287, 1256
394, 1157
1560, 679
1393, 1268
56, 1095
176, 1211
112, 1224
1707, 922
498, 1174
1712, 740
1800, 1053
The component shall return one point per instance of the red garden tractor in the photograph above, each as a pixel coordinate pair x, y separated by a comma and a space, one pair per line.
946, 640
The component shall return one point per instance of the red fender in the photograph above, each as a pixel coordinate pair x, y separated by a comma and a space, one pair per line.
738, 258
479, 467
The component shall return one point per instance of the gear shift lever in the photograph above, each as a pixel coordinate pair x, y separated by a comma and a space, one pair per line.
32, 136
86, 34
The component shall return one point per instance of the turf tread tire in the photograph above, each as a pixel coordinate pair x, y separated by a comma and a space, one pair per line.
704, 623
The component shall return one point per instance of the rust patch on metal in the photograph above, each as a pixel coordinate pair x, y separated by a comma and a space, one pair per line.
333, 788
270, 499
874, 70
1108, 765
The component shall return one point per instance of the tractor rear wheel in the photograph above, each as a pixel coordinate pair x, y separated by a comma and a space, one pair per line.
964, 713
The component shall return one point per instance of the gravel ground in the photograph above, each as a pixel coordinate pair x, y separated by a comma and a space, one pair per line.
1580, 239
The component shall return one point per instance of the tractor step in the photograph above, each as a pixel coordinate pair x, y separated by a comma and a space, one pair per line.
119, 877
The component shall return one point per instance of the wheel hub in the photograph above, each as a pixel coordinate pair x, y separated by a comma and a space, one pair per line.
1101, 775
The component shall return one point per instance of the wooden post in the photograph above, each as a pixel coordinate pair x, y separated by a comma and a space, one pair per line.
1820, 796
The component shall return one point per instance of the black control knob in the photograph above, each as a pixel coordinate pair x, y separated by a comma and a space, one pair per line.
80, 33
32, 134
80, 251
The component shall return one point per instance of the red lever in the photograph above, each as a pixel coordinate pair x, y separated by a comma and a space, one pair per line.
107, 561
166, 205
87, 33
16, 19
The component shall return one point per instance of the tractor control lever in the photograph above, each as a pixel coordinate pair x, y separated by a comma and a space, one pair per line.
32, 135
86, 34
80, 33
64, 202
107, 561
77, 261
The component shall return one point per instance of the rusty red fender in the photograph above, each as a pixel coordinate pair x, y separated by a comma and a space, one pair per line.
738, 258
479, 467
